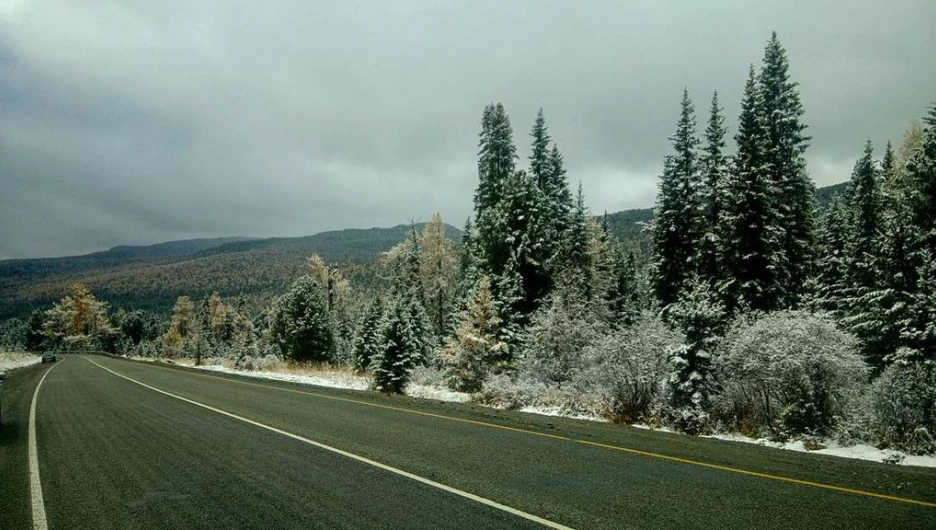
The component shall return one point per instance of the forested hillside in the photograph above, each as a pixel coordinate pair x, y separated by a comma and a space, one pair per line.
152, 277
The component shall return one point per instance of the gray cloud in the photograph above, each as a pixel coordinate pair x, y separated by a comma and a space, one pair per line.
136, 122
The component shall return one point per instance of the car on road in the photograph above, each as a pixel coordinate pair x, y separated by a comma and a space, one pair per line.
49, 357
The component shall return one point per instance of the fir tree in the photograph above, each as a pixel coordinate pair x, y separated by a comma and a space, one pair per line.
496, 157
833, 265
713, 167
576, 264
539, 156
751, 245
921, 176
780, 110
366, 343
518, 233
700, 316
676, 223
864, 204
301, 325
558, 193
920, 333
403, 344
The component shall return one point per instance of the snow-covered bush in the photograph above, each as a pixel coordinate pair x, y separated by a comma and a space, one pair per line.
556, 340
628, 368
903, 407
786, 373
503, 392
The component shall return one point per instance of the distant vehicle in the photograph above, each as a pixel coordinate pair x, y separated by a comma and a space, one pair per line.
48, 357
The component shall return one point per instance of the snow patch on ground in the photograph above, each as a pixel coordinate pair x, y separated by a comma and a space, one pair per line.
858, 452
342, 381
434, 392
14, 360
560, 413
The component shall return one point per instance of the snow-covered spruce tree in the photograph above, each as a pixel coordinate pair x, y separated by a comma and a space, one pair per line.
921, 177
404, 342
497, 157
546, 168
676, 213
920, 332
558, 193
713, 169
699, 314
539, 154
467, 356
864, 205
366, 342
508, 289
300, 324
576, 262
750, 232
515, 242
786, 143
833, 265
863, 246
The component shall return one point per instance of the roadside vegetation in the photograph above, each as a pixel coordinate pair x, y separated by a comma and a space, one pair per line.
751, 310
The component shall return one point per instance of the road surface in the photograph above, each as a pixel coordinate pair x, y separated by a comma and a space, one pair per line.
128, 445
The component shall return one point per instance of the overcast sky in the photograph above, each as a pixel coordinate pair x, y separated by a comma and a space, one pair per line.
135, 122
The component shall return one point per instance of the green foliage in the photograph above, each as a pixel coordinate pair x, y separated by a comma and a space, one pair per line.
404, 343
366, 344
903, 407
301, 325
676, 223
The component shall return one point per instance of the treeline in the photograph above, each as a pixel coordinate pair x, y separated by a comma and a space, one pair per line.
757, 311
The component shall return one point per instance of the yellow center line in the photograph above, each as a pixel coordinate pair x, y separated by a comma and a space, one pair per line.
640, 452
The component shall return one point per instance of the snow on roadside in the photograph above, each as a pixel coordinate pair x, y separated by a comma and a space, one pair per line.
13, 360
832, 448
349, 381
434, 392
560, 413
342, 381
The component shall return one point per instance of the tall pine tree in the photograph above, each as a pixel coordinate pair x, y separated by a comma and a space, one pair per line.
713, 167
751, 245
676, 215
781, 111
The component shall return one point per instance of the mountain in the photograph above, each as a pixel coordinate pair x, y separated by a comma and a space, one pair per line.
152, 277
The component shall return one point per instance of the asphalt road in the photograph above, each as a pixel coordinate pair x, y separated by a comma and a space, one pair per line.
240, 453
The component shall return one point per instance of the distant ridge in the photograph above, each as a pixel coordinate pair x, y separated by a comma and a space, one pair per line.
152, 276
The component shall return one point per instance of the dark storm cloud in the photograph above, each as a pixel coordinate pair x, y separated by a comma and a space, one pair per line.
136, 122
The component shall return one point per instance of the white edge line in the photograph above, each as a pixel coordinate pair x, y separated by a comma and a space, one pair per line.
35, 486
471, 496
